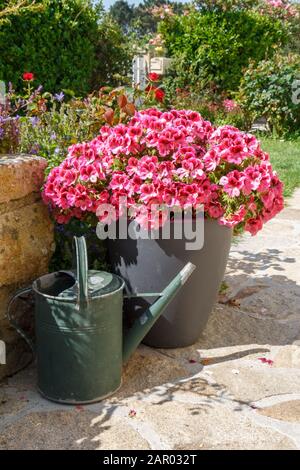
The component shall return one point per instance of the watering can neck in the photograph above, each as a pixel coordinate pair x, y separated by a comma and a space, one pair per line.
82, 269
142, 325
91, 285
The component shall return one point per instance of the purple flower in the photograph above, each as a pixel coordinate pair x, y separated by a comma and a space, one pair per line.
34, 121
59, 96
34, 149
57, 150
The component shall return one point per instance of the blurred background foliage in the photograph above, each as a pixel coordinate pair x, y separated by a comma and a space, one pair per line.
68, 45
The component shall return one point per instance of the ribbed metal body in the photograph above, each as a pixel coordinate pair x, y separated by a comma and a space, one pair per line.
78, 346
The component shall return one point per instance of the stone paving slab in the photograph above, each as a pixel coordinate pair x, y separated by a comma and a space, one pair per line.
238, 387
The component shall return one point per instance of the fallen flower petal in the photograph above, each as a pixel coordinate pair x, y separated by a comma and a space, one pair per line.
132, 413
264, 360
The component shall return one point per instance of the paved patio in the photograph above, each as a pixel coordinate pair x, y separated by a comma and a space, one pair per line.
237, 388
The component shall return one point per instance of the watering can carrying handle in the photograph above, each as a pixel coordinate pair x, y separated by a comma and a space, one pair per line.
82, 278
21, 332
82, 269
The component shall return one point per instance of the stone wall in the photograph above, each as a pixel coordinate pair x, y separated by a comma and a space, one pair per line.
26, 242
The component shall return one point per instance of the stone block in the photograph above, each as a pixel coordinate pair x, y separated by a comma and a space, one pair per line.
26, 243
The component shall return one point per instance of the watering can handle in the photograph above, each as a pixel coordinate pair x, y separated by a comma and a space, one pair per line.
21, 332
82, 268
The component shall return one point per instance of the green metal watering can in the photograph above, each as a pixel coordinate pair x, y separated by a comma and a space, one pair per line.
79, 333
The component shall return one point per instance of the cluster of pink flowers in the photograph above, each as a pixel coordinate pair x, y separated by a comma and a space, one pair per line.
157, 40
162, 11
281, 8
230, 105
172, 159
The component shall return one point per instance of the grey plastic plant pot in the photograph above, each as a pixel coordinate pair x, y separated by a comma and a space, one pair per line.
146, 265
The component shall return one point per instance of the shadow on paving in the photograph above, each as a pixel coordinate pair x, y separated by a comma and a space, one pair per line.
251, 262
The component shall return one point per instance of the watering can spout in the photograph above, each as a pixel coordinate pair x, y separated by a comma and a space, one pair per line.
142, 325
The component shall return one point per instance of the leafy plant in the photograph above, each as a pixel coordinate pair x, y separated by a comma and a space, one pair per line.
213, 106
12, 108
213, 46
52, 124
142, 19
114, 55
283, 9
63, 44
16, 7
9, 127
269, 90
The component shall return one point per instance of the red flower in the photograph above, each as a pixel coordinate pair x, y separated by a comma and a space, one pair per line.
153, 77
28, 76
159, 95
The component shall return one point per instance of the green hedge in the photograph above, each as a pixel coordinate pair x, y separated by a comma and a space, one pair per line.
57, 44
215, 46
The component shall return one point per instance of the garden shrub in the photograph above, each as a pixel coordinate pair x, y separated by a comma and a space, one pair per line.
293, 44
271, 89
218, 109
59, 44
282, 9
16, 7
213, 46
113, 56
51, 124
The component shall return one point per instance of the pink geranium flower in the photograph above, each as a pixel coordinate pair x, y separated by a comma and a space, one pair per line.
254, 225
175, 158
234, 219
232, 183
